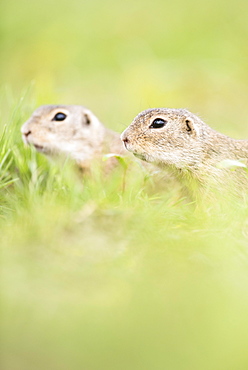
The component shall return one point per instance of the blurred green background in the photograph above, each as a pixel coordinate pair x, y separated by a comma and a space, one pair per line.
119, 58
94, 278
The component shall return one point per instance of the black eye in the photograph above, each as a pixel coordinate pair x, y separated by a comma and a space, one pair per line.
158, 123
87, 119
59, 117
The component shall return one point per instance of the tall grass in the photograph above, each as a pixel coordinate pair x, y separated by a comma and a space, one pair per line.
94, 277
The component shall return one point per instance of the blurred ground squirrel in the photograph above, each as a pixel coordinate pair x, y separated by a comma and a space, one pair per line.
74, 131
179, 140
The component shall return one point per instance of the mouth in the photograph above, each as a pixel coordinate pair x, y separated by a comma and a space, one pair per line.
128, 146
39, 148
140, 156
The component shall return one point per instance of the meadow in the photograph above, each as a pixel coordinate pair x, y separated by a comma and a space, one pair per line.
100, 276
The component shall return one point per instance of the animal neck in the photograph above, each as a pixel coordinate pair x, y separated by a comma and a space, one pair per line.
219, 147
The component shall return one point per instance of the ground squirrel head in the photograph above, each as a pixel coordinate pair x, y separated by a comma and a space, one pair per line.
166, 136
70, 129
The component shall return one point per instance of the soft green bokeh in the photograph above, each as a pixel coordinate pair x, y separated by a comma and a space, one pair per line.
118, 58
94, 277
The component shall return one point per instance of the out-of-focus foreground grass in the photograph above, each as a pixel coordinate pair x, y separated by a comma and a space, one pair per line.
94, 277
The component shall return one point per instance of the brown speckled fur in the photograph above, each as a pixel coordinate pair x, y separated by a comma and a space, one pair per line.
81, 136
187, 146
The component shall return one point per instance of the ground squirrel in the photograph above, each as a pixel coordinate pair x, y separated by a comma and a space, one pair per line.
181, 141
72, 130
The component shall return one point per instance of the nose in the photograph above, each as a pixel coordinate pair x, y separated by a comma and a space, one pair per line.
124, 137
27, 133
125, 140
25, 129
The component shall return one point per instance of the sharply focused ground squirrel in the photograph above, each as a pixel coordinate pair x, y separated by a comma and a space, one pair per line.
181, 141
73, 130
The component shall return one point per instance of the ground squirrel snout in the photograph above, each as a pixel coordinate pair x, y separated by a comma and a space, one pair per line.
71, 130
178, 139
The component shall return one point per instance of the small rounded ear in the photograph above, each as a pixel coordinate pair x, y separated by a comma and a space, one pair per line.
189, 126
87, 119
